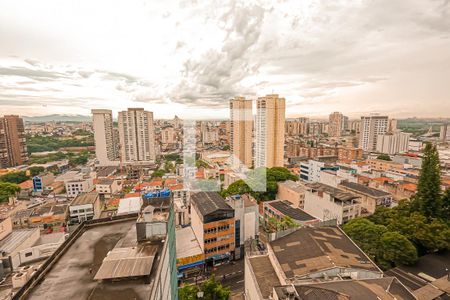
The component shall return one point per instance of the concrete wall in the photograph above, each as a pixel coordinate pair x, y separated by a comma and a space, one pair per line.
197, 227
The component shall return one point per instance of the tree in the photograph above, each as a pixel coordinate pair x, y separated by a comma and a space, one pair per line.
7, 190
15, 177
36, 171
366, 234
397, 249
158, 173
428, 199
384, 157
446, 206
212, 290
188, 292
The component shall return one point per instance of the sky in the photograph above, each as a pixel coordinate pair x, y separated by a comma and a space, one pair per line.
188, 58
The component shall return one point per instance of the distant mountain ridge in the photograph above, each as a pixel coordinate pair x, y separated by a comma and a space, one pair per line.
58, 118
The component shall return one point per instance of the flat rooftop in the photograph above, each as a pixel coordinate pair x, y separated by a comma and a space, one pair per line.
336, 193
309, 250
71, 278
287, 210
388, 288
187, 244
15, 239
85, 198
266, 276
292, 185
357, 187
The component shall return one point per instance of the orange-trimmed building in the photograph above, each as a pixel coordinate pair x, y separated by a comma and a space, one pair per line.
213, 222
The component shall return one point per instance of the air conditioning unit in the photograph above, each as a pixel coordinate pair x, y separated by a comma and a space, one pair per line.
28, 270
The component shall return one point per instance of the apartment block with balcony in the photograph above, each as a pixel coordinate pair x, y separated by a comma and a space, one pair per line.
328, 203
213, 222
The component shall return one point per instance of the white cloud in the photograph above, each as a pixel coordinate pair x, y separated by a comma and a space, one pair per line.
350, 56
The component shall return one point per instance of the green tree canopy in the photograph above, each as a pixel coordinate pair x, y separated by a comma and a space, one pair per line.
384, 157
211, 288
428, 199
396, 248
7, 190
15, 177
36, 171
366, 234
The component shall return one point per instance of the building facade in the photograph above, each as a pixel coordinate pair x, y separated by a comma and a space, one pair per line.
270, 123
106, 146
213, 223
13, 147
336, 124
371, 128
393, 143
241, 136
137, 136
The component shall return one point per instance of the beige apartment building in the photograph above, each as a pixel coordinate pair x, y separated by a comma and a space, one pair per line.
297, 127
336, 124
270, 128
137, 136
106, 147
241, 126
13, 147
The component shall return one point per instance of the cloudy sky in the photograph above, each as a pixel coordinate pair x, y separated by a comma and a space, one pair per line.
190, 57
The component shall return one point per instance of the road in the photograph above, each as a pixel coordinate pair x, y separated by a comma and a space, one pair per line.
232, 276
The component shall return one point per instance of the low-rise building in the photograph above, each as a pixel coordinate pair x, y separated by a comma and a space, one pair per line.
79, 185
246, 215
213, 222
190, 256
107, 187
280, 209
316, 263
292, 191
84, 207
41, 182
328, 203
369, 198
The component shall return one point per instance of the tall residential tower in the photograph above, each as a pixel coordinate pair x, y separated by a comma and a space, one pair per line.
137, 136
371, 128
270, 122
13, 147
106, 146
241, 126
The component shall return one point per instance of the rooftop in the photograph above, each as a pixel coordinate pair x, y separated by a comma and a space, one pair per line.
309, 250
336, 193
15, 239
292, 185
265, 274
85, 198
106, 171
388, 288
105, 181
209, 202
187, 244
71, 277
287, 210
357, 187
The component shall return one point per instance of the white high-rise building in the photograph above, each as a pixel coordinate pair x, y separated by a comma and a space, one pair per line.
371, 128
106, 148
270, 123
137, 136
393, 143
241, 137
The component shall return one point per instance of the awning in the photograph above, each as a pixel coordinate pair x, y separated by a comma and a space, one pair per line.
191, 265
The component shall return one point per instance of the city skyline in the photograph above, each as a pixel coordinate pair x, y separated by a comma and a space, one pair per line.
355, 58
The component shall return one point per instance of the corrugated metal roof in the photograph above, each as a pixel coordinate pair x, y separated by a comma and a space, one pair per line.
127, 262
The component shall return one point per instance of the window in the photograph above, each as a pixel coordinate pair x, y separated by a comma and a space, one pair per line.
28, 254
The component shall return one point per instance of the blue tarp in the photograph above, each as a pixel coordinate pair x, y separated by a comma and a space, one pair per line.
157, 194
